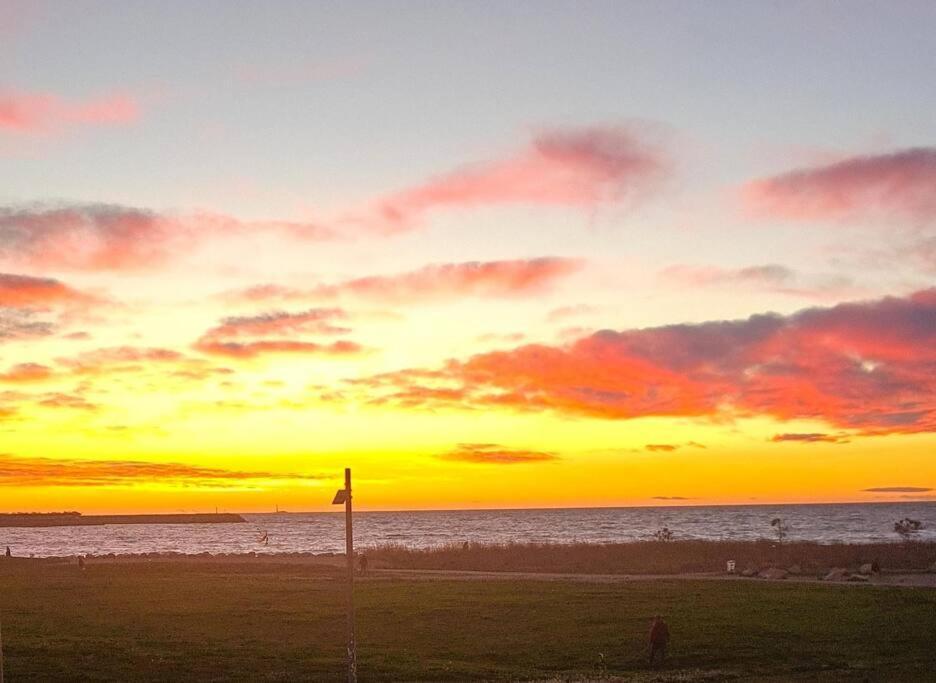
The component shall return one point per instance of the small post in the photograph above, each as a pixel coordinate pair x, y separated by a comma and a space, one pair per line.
344, 496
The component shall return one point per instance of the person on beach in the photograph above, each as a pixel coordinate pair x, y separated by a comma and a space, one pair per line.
9, 553
362, 565
659, 638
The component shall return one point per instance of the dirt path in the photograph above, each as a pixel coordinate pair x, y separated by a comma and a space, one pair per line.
909, 580
330, 562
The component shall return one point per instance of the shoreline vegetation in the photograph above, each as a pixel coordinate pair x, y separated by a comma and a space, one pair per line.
655, 557
48, 519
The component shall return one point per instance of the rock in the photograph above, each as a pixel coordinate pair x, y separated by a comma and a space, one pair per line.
836, 574
773, 573
866, 569
749, 572
858, 578
796, 570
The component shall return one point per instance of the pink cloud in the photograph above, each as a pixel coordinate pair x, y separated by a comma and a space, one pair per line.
770, 278
24, 323
433, 283
901, 183
315, 320
225, 339
565, 312
578, 168
94, 237
701, 276
119, 238
43, 112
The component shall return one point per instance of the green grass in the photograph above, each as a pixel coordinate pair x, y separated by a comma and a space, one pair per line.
251, 620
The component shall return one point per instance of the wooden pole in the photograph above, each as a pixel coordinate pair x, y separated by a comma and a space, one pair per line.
349, 550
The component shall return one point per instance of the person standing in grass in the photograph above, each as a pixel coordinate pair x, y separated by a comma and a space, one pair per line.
659, 638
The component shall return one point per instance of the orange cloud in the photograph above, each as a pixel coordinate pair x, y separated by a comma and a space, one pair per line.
26, 372
898, 489
27, 471
168, 363
670, 447
43, 112
493, 454
119, 356
432, 283
867, 366
578, 167
69, 401
809, 437
901, 183
24, 291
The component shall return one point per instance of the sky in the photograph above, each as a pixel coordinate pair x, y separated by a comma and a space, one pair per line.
489, 255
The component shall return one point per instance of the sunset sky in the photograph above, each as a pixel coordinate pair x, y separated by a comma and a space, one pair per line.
512, 254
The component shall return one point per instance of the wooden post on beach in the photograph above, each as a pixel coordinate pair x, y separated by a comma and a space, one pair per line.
344, 496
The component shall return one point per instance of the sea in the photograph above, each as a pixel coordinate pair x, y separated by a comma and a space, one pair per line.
323, 532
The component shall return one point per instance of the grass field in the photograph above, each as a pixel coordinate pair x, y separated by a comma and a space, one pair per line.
253, 620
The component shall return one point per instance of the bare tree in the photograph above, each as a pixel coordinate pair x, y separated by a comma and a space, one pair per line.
907, 528
781, 528
663, 534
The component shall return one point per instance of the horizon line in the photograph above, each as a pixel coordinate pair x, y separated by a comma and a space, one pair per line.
677, 504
